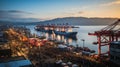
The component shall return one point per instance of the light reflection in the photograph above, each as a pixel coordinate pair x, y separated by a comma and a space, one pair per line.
46, 35
62, 38
69, 40
53, 36
58, 37
65, 41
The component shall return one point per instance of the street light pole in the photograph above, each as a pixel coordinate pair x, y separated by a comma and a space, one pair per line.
39, 53
83, 43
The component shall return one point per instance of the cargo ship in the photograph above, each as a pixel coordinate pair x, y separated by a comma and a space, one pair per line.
57, 29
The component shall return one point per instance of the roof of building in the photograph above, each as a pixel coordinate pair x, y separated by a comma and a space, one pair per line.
17, 63
115, 43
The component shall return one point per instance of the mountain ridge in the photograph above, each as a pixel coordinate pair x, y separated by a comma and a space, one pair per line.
82, 21
71, 21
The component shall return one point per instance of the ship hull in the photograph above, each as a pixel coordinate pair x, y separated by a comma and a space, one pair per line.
67, 34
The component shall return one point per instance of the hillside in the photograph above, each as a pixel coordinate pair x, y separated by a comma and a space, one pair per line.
82, 21
70, 20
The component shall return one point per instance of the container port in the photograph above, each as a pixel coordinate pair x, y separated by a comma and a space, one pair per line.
17, 41
59, 33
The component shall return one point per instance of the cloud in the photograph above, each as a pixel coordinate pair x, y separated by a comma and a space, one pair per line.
16, 15
80, 12
74, 13
14, 11
13, 14
116, 2
17, 11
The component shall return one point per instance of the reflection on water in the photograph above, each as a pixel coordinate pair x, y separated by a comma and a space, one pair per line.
82, 34
60, 38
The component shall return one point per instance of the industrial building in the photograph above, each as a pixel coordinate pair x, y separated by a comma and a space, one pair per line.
115, 52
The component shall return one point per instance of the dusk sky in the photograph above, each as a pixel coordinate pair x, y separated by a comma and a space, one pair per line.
49, 9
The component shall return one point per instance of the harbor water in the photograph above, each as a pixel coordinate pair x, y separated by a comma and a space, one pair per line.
82, 34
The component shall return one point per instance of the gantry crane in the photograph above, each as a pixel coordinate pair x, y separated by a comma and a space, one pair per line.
106, 35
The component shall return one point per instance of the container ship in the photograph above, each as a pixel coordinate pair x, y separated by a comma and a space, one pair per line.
57, 29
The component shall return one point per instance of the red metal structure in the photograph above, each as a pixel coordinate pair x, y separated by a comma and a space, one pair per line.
106, 35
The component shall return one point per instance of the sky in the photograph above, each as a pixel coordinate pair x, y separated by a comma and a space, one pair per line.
36, 10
